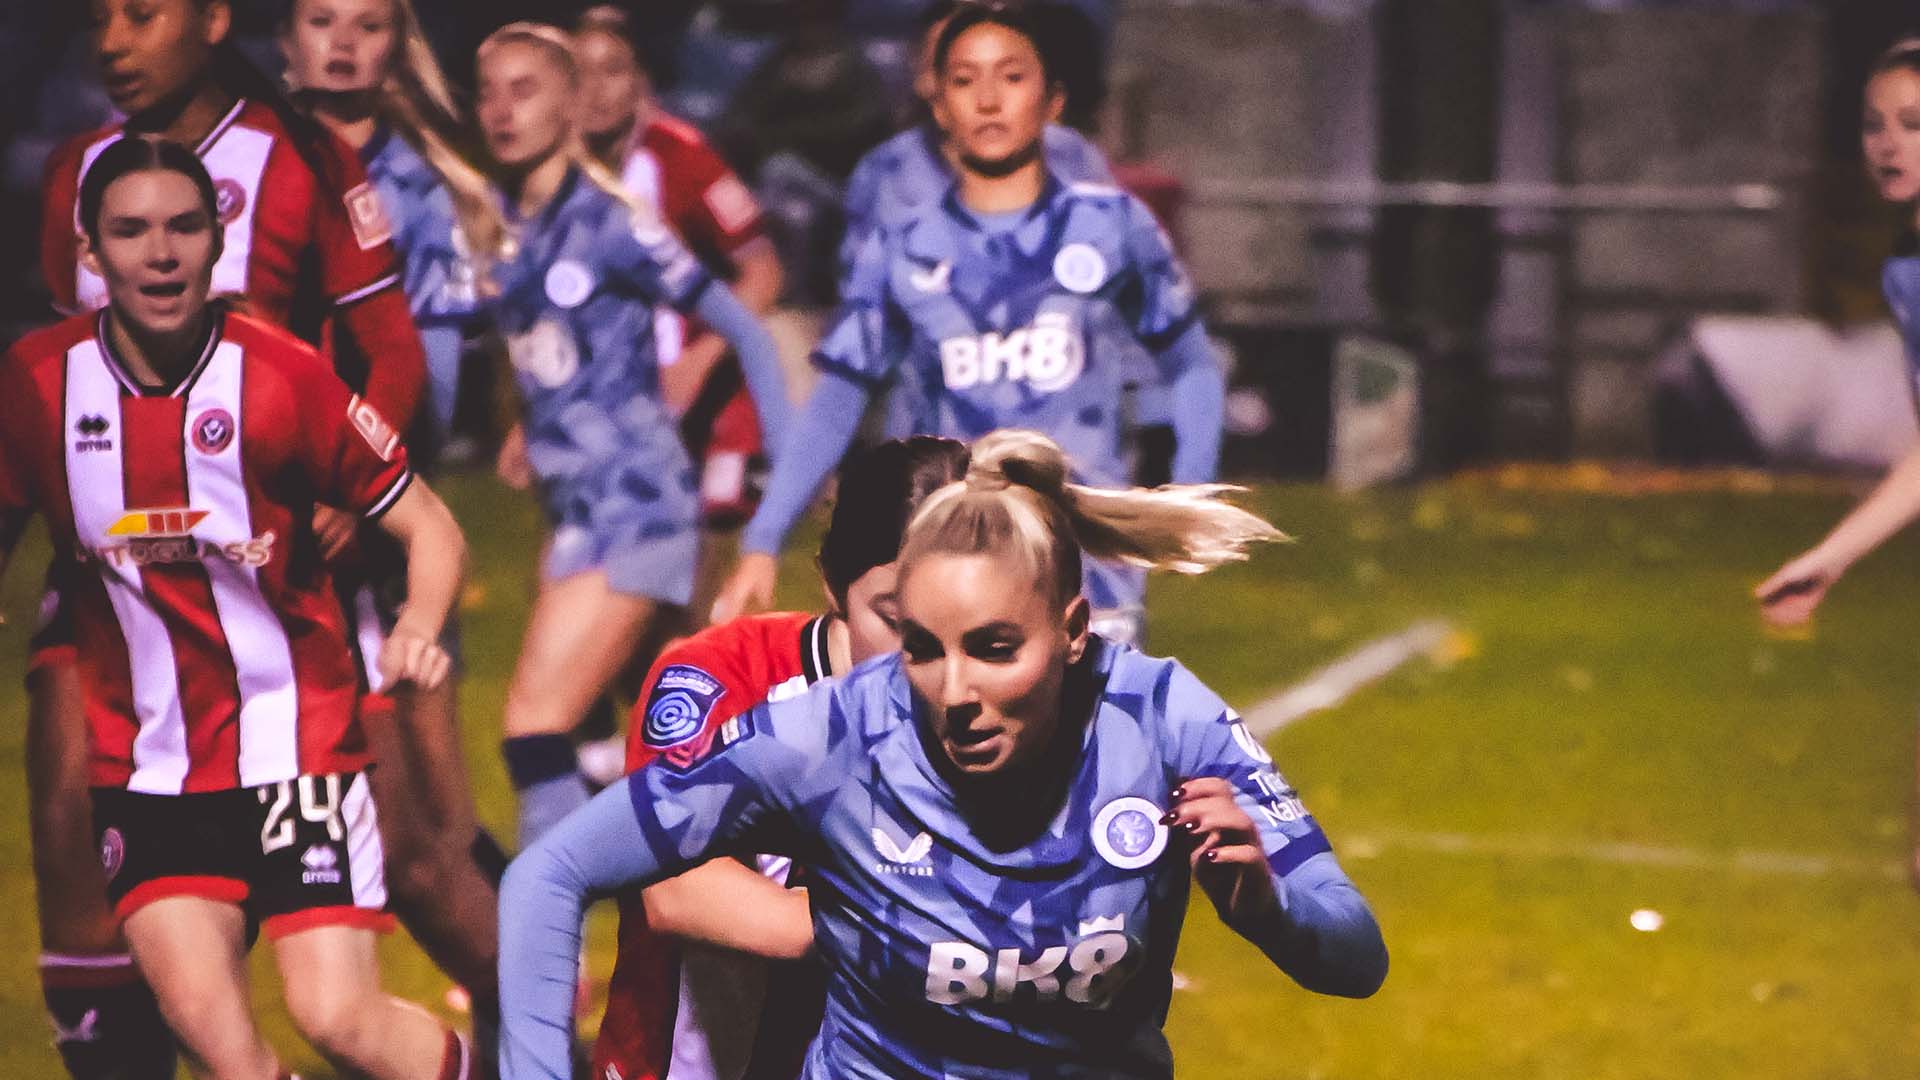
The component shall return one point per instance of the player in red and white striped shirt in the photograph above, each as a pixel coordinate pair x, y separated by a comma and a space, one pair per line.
177, 451
698, 1012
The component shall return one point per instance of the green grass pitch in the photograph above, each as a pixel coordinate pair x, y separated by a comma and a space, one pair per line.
1614, 732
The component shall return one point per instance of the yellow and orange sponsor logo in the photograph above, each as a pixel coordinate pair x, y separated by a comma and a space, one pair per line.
169, 521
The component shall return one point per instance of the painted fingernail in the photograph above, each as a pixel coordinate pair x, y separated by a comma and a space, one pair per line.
1167, 818
1211, 856
1191, 826
1180, 793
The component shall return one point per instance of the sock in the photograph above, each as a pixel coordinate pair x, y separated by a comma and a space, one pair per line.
546, 775
106, 1023
489, 856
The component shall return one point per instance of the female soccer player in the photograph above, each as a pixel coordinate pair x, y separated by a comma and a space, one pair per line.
1890, 137
363, 69
576, 306
1000, 822
305, 245
675, 1010
1015, 301
177, 450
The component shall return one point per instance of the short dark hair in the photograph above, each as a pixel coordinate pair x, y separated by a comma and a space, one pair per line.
1020, 18
137, 153
1903, 55
879, 489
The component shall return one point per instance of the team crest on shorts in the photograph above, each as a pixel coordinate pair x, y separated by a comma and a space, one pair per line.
679, 706
1079, 268
213, 431
113, 852
1128, 834
569, 283
229, 200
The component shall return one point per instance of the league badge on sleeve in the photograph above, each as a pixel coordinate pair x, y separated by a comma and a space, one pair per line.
369, 219
678, 708
1128, 834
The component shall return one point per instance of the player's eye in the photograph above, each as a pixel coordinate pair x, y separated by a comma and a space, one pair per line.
190, 224
994, 650
126, 228
918, 646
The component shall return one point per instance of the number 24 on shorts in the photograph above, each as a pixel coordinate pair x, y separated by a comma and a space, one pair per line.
319, 799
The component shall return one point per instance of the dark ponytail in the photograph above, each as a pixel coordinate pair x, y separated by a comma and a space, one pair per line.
238, 76
879, 489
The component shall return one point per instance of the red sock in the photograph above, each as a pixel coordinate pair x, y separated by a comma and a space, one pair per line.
458, 1064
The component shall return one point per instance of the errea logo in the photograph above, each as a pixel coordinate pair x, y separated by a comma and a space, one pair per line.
1048, 356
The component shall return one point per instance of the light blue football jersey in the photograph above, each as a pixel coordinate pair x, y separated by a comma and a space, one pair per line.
946, 958
441, 285
909, 171
1900, 281
1045, 326
576, 308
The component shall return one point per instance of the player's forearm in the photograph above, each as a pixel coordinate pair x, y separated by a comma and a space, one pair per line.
436, 557
759, 362
542, 901
381, 327
819, 438
1321, 932
1199, 405
1892, 506
731, 905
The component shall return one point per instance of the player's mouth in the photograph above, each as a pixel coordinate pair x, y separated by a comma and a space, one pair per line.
164, 290
342, 69
122, 86
973, 746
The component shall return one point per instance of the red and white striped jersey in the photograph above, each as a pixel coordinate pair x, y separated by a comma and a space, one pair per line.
269, 205
301, 256
211, 647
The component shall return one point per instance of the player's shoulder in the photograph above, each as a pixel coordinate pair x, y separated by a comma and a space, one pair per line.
670, 137
50, 344
274, 349
63, 165
854, 709
1159, 691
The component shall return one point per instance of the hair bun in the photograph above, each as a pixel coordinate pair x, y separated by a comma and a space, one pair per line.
1016, 458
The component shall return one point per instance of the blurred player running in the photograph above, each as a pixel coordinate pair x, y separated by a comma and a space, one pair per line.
694, 1012
177, 451
1014, 300
292, 202
363, 69
576, 306
1000, 824
1890, 139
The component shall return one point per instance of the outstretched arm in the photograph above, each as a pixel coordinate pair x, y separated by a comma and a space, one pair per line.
814, 447
1792, 593
759, 361
1199, 383
731, 905
542, 901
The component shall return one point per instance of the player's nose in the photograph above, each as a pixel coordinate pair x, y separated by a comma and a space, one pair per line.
956, 686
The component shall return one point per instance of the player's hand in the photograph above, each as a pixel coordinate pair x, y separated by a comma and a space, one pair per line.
748, 588
512, 465
1223, 849
411, 655
1789, 597
334, 530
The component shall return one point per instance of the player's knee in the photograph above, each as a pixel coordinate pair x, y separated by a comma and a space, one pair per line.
333, 1019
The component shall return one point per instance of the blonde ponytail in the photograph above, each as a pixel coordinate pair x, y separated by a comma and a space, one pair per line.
559, 44
1018, 502
418, 101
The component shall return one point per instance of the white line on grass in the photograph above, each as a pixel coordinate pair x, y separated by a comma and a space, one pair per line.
1338, 681
1745, 861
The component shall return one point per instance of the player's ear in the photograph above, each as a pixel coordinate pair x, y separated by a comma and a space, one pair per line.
216, 21
1078, 621
90, 257
1056, 100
